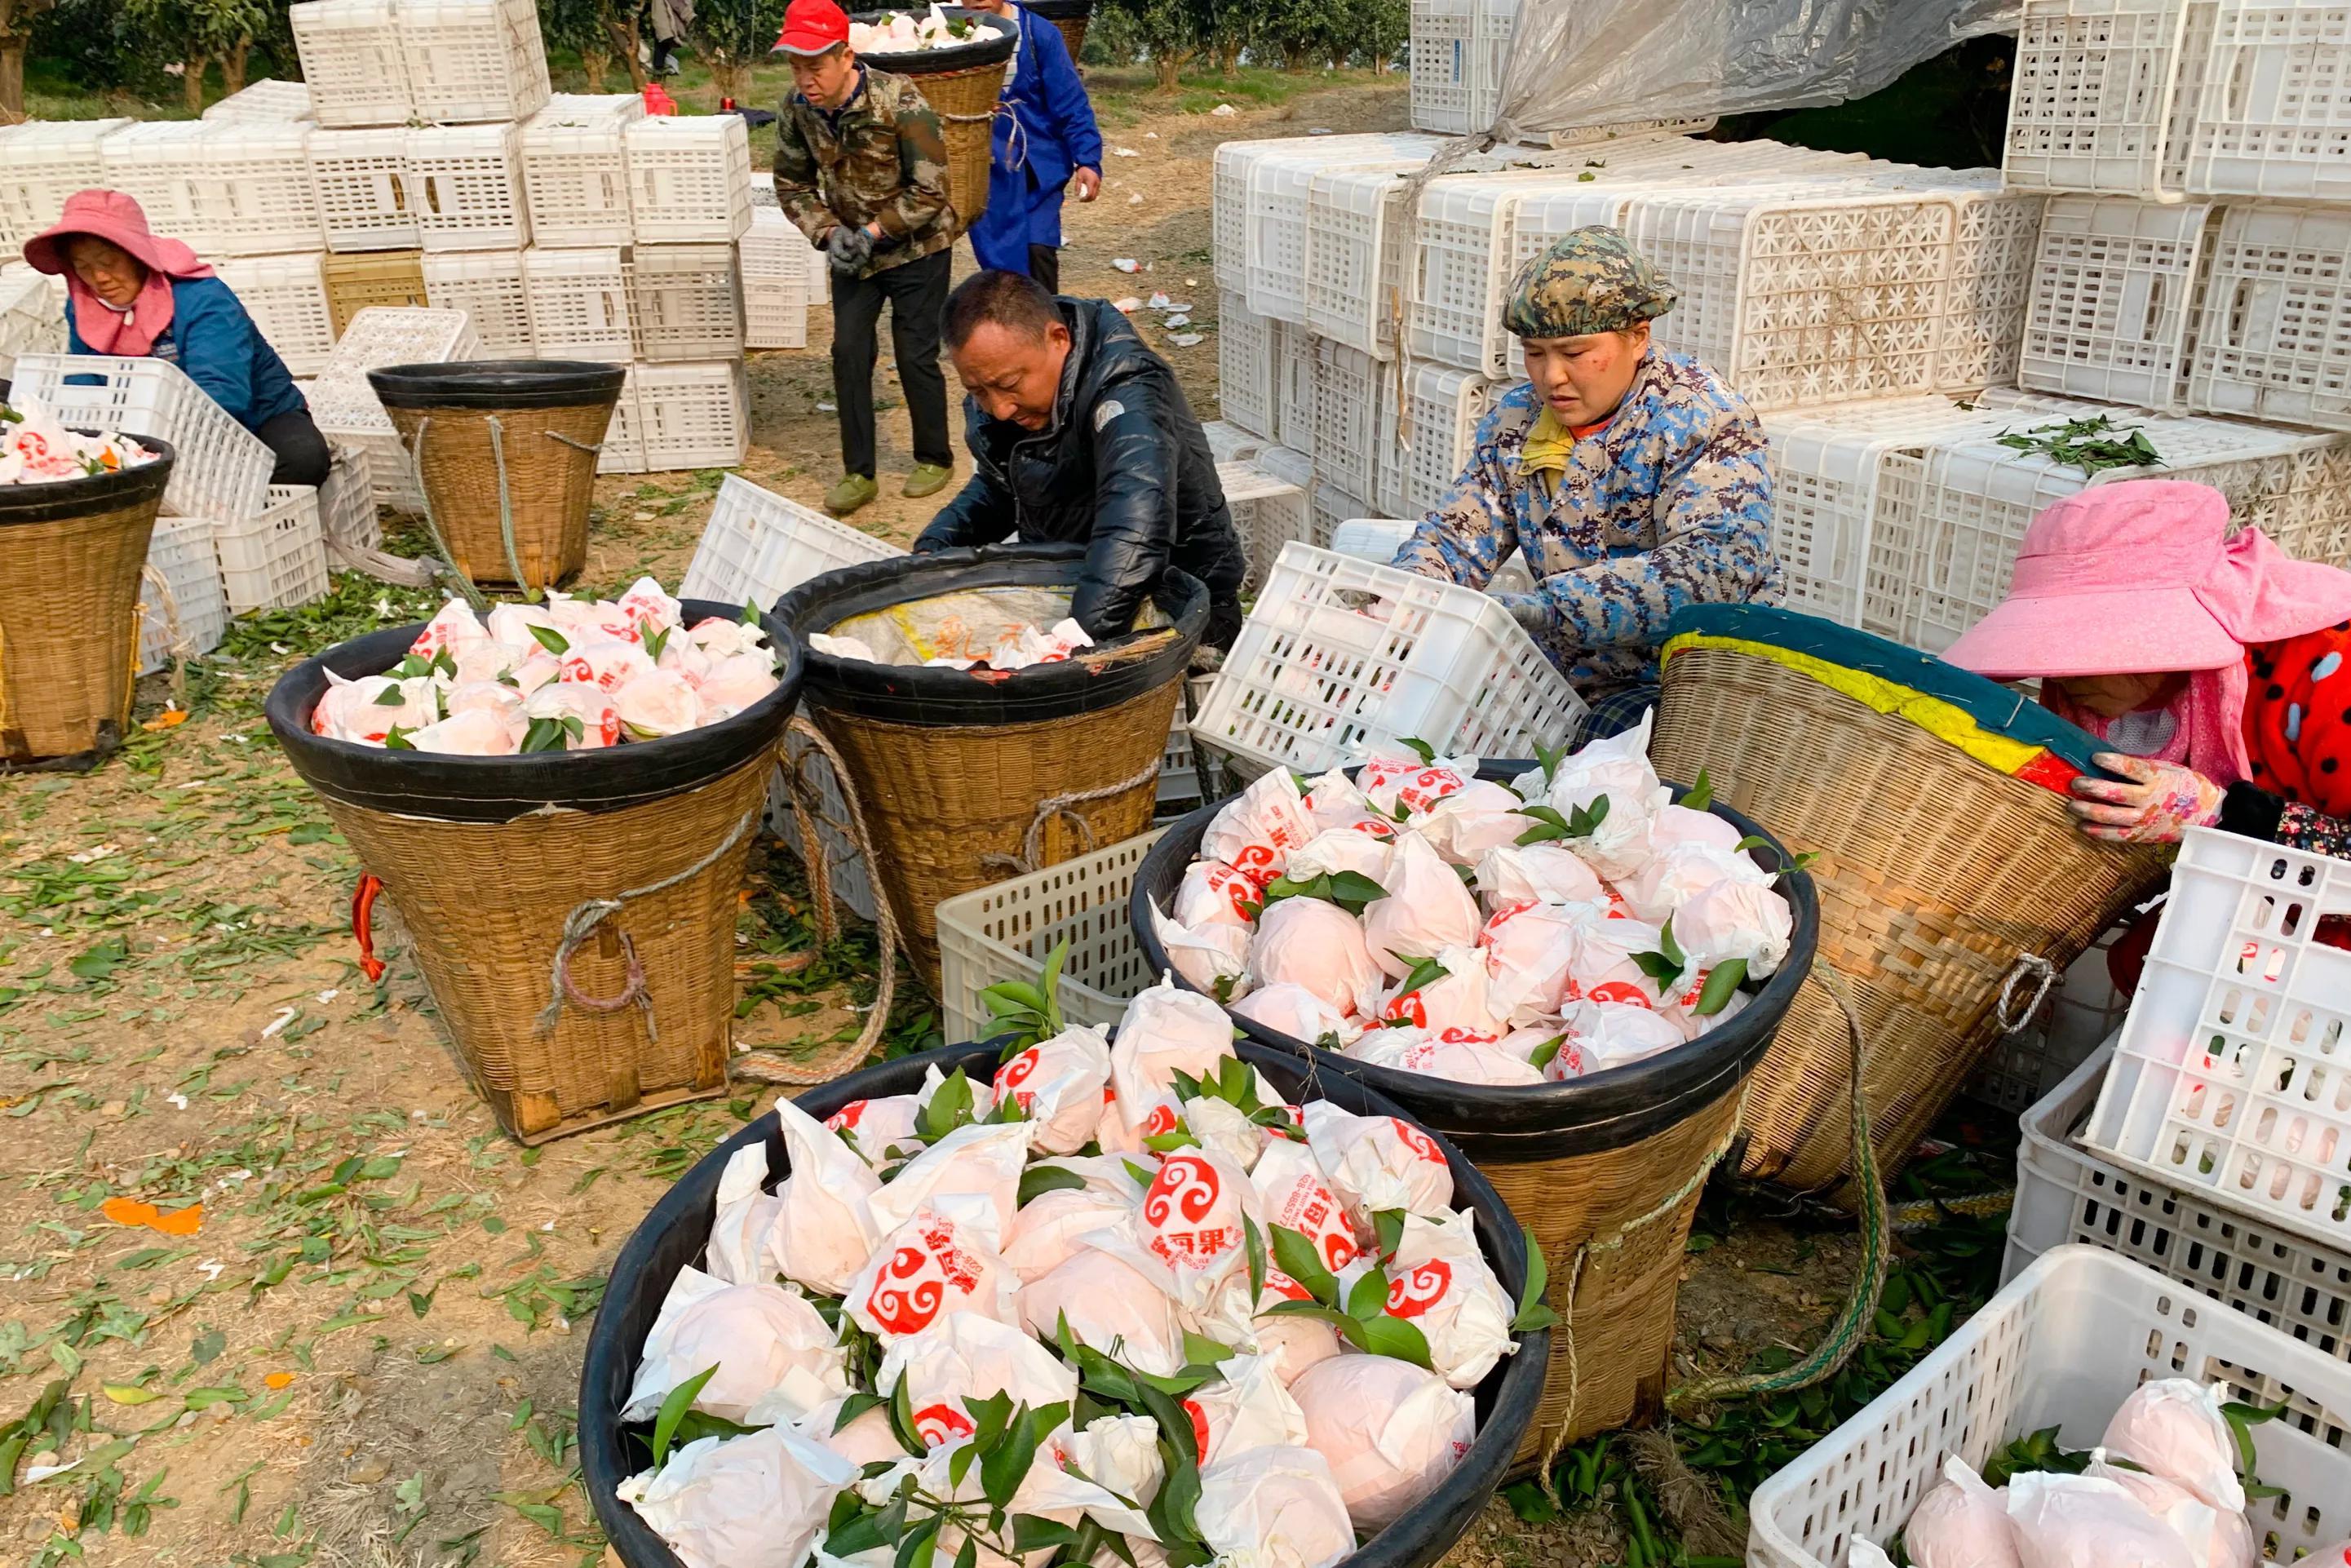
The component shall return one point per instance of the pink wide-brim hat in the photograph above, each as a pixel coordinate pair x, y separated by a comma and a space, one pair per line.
2112, 581
117, 218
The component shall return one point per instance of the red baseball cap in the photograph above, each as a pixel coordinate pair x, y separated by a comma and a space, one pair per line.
812, 26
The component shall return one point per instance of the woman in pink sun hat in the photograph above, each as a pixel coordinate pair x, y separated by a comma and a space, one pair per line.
2216, 668
130, 292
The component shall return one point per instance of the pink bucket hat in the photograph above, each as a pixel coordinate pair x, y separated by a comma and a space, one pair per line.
115, 216
2119, 580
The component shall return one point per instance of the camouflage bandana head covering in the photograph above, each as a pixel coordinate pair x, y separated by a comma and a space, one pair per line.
1588, 280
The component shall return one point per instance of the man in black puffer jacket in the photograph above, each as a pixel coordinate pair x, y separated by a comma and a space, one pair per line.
1078, 434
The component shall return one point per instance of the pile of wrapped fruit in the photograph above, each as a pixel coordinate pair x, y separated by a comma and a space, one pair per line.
2167, 1488
1014, 648
35, 449
1121, 1305
1419, 917
570, 674
898, 32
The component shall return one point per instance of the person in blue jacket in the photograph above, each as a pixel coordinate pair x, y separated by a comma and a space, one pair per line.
1047, 142
129, 292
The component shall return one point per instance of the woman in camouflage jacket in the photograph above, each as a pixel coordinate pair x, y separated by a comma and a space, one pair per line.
1633, 480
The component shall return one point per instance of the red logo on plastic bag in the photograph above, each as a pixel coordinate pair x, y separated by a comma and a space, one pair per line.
1419, 1142
848, 1116
1419, 1289
938, 1424
901, 1300
1185, 1185
1199, 1426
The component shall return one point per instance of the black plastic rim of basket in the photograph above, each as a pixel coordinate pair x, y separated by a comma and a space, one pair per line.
497, 383
953, 56
53, 500
1517, 1124
911, 694
500, 789
675, 1231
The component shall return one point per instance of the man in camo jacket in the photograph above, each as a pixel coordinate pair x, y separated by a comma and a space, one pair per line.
862, 168
1633, 480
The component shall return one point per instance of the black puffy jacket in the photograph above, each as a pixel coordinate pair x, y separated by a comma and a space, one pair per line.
1123, 466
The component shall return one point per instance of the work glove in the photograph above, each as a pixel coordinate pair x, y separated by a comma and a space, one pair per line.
2160, 800
1529, 611
849, 247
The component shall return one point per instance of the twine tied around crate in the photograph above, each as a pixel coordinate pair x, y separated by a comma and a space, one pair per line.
767, 1066
1032, 843
589, 913
1844, 1334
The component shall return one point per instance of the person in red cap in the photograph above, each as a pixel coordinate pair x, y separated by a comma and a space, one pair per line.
130, 292
2212, 665
862, 168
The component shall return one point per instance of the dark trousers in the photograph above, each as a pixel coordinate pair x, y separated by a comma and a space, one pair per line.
916, 292
302, 454
1045, 266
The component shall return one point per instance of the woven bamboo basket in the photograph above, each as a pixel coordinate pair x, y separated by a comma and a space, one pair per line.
1606, 1170
962, 83
1939, 878
493, 863
354, 283
506, 454
1070, 15
957, 774
69, 646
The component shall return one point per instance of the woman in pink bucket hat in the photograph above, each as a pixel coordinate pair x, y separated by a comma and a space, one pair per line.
2216, 668
129, 292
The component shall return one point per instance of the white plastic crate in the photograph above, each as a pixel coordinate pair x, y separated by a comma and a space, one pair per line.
1354, 242
154, 162
347, 510
1961, 509
852, 885
1294, 386
43, 161
686, 302
265, 102
579, 302
1245, 366
468, 188
2065, 1193
1280, 275
1229, 184
759, 545
1268, 512
352, 62
1180, 779
287, 298
183, 611
345, 407
574, 169
1827, 467
1992, 250
222, 469
1491, 30
2274, 338
1443, 64
489, 287
1354, 415
1454, 312
472, 60
2102, 94
1800, 296
1229, 442
693, 415
252, 190
277, 557
1007, 932
1312, 676
624, 447
2115, 291
2062, 1345
2273, 117
775, 262
2233, 1075
366, 195
32, 317
689, 180
1442, 407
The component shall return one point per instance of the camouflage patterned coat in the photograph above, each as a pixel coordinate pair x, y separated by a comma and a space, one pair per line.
882, 159
1669, 505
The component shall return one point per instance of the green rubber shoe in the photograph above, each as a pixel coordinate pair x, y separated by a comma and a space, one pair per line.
927, 479
853, 491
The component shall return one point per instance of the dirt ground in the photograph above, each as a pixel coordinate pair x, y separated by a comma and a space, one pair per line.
351, 1334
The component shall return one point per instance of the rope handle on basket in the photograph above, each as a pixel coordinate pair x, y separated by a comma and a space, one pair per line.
591, 912
769, 1066
364, 898
475, 599
2043, 975
1019, 137
591, 448
1032, 843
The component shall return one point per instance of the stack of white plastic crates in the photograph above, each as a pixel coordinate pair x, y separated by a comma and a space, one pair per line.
779, 266
345, 407
438, 62
41, 163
